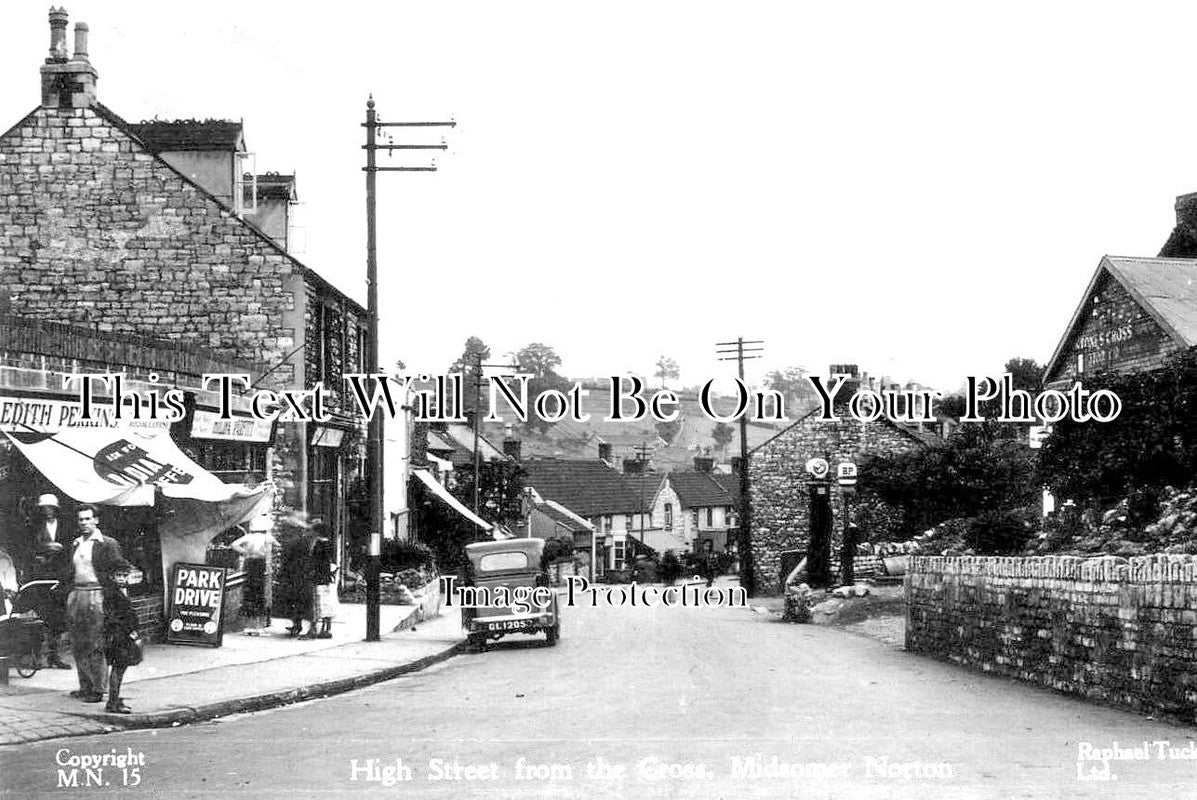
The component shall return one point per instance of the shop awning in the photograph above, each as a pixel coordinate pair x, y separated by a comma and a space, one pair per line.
140, 465
121, 465
443, 493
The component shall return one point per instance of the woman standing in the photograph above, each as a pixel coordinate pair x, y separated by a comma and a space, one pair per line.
323, 567
295, 588
255, 547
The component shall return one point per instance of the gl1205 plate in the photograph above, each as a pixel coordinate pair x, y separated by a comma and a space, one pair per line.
509, 625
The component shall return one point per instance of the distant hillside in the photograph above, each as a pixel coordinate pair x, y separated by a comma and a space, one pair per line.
692, 435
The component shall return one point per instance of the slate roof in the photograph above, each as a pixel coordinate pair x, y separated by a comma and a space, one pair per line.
274, 185
1165, 288
559, 514
189, 134
587, 487
461, 437
701, 489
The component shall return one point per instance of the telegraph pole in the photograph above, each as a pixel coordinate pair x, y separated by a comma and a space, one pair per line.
739, 351
642, 451
374, 443
477, 421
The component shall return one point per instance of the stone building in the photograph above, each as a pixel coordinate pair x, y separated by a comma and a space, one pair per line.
1133, 315
156, 230
791, 508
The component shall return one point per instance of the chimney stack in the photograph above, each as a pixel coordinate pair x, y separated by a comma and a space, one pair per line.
704, 464
604, 452
67, 83
511, 447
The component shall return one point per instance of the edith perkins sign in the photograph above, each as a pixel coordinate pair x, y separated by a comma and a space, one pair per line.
194, 615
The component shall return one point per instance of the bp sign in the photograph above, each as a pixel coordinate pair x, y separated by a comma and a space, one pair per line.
845, 473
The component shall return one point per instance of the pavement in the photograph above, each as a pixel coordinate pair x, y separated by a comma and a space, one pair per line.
177, 684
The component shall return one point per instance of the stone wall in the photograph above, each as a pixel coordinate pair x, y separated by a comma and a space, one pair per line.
1108, 629
99, 233
781, 486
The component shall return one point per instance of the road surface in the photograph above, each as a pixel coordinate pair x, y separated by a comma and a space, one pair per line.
646, 703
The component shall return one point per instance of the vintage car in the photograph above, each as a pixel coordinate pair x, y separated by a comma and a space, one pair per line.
507, 591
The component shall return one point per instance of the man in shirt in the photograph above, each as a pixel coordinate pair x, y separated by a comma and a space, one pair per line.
95, 561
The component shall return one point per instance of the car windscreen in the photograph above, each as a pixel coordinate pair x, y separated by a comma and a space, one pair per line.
496, 562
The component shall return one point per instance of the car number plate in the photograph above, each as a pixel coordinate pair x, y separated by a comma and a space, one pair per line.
509, 625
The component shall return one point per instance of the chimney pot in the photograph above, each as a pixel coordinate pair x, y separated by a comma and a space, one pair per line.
58, 25
80, 41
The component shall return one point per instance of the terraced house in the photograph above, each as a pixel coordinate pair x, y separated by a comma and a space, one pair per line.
162, 230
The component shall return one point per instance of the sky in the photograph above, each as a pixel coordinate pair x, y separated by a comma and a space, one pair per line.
920, 188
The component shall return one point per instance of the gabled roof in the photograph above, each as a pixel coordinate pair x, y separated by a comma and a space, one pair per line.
1165, 288
462, 436
917, 434
699, 489
587, 487
189, 134
117, 121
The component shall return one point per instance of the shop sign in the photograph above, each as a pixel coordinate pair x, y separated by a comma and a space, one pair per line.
209, 425
327, 437
194, 613
21, 414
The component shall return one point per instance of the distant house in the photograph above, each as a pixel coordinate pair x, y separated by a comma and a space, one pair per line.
1133, 315
698, 506
548, 519
617, 508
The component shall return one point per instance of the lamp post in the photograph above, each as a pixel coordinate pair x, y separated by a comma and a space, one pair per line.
374, 465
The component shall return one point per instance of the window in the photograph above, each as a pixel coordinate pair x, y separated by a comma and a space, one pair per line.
500, 561
1080, 363
607, 522
694, 517
710, 517
669, 516
620, 552
627, 522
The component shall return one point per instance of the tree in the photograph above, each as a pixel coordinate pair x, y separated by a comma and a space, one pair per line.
792, 384
667, 369
1151, 444
475, 352
723, 435
1025, 373
540, 361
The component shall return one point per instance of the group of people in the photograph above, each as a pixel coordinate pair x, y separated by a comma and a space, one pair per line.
307, 584
80, 588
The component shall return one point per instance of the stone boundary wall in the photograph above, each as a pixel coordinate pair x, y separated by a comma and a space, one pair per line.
1117, 630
